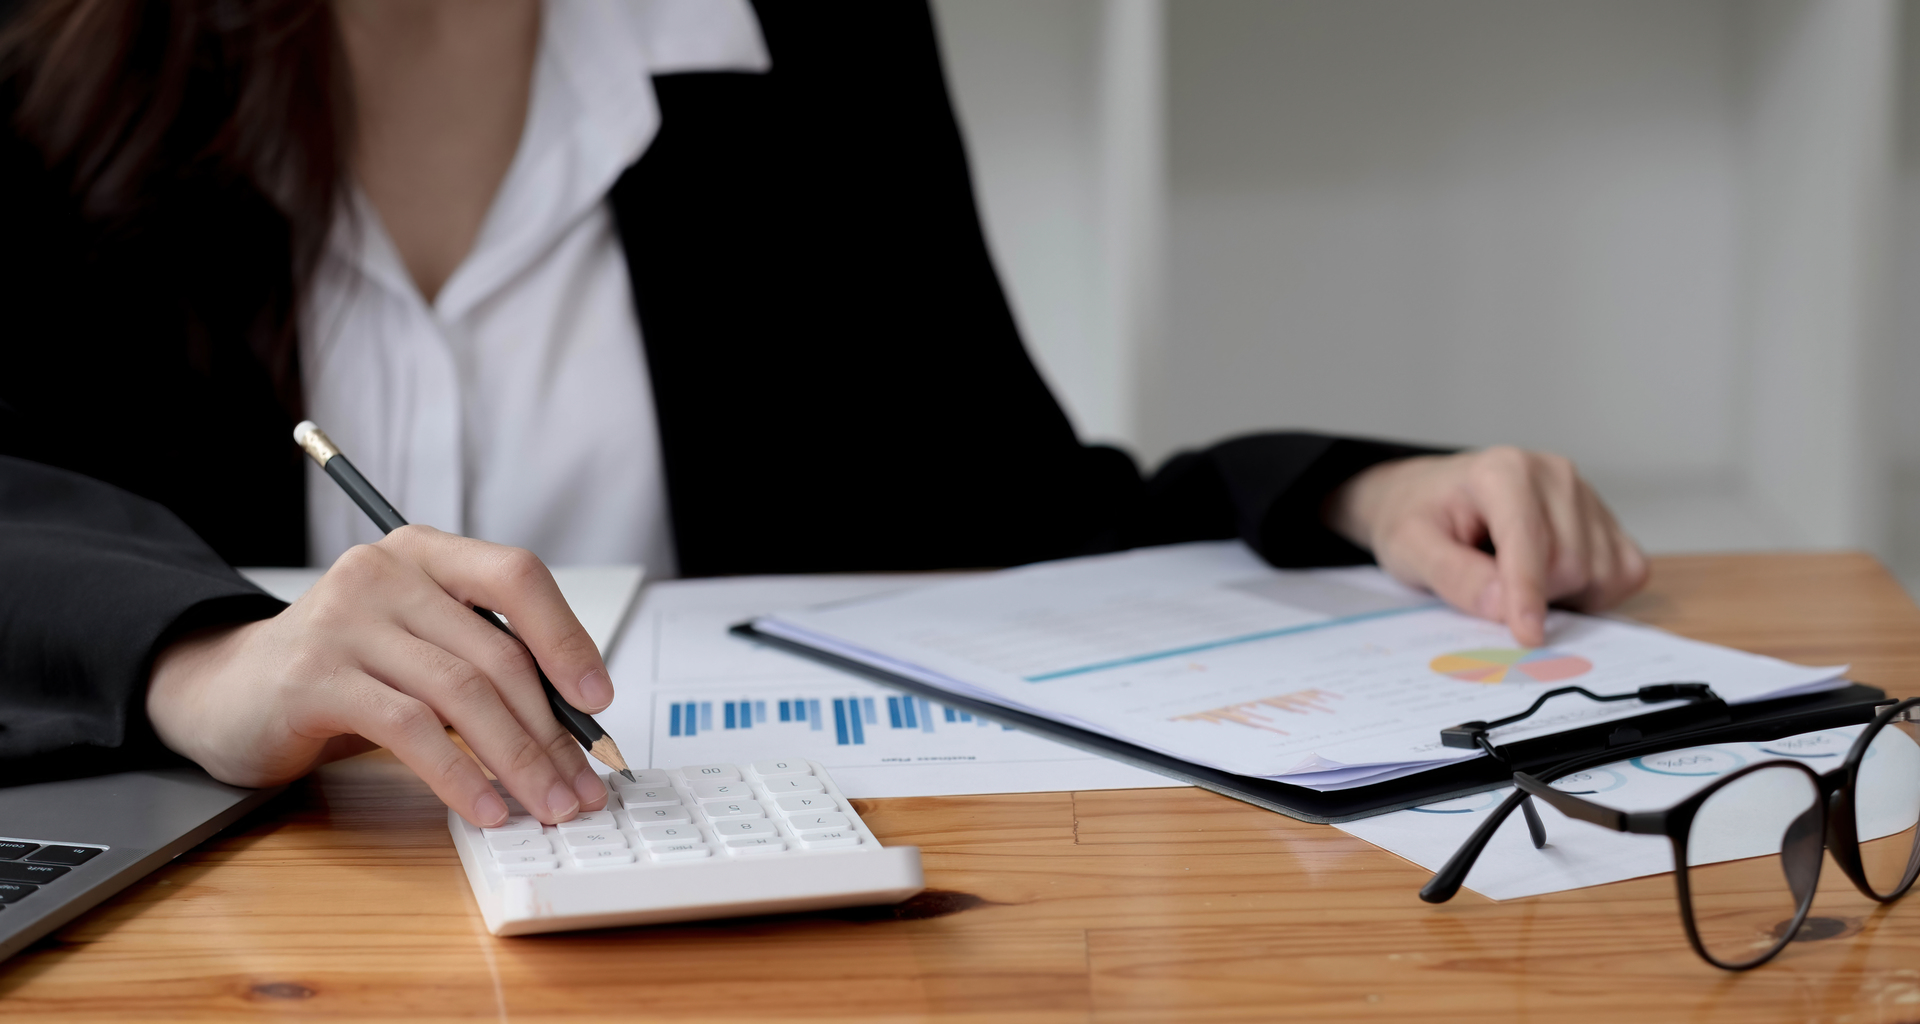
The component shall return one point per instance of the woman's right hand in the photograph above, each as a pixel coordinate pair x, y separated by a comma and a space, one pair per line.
386, 649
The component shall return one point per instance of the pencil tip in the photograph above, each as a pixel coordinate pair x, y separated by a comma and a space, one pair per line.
629, 774
606, 753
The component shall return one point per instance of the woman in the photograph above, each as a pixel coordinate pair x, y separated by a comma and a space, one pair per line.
681, 281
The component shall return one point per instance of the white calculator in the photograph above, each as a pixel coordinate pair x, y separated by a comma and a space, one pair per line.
709, 840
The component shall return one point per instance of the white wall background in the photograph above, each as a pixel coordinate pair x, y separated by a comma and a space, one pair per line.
1664, 237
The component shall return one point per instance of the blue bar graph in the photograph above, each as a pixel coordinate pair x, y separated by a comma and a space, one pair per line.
851, 716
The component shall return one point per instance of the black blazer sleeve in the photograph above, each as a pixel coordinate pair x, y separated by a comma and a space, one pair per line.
96, 581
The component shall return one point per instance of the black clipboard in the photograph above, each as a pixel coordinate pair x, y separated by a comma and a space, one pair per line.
1853, 704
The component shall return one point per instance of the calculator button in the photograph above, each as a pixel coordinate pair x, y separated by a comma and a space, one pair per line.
13, 850
516, 823
13, 892
603, 857
796, 784
806, 803
522, 858
787, 766
644, 778
635, 796
679, 851
520, 842
817, 822
746, 845
824, 840
588, 820
747, 827
530, 867
712, 773
597, 837
15, 871
661, 834
64, 854
733, 809
675, 815
735, 790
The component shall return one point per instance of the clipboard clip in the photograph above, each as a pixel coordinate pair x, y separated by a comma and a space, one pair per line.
1473, 735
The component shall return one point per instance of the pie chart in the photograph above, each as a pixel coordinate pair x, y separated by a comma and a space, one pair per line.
1511, 664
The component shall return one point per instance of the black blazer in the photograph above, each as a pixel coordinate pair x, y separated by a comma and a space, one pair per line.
839, 381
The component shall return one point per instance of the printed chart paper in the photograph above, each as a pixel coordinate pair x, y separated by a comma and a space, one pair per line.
1326, 678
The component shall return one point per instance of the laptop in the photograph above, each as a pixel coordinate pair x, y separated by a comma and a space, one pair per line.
66, 845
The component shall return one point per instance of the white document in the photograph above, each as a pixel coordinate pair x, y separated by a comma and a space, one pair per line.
1580, 854
1328, 678
600, 595
687, 692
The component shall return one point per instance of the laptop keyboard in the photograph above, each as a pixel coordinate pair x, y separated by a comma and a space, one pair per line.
28, 864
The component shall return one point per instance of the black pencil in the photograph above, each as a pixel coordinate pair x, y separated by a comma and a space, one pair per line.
316, 443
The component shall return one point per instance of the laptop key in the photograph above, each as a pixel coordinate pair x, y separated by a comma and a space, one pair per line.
12, 892
19, 871
11, 849
69, 855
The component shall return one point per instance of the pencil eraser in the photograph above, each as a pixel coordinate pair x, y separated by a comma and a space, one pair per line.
302, 429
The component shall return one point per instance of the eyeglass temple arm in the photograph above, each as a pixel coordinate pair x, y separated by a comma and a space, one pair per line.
1586, 810
1446, 882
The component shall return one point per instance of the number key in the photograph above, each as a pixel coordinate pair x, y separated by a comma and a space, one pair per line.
712, 773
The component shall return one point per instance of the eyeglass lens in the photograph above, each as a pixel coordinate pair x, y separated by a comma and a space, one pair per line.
1753, 859
1886, 800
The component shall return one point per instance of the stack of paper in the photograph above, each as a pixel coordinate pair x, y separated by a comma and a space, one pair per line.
1327, 679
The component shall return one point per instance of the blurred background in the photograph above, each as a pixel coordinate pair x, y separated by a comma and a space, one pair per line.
1672, 239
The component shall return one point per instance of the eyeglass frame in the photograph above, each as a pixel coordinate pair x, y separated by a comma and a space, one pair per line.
1838, 827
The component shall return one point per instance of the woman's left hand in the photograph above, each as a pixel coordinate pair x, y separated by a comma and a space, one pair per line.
1424, 519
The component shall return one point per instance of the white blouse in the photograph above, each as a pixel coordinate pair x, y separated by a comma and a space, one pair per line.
516, 406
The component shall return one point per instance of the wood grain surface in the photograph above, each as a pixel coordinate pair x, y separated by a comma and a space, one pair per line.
343, 900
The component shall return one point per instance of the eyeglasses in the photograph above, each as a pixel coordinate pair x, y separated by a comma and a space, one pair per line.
1747, 848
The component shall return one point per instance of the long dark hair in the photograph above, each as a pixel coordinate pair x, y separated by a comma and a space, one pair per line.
122, 97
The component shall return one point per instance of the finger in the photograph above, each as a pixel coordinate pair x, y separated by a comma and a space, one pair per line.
464, 697
1503, 489
1424, 554
516, 584
1563, 499
1621, 571
451, 626
365, 706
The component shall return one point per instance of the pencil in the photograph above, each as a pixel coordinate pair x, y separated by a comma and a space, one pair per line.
310, 437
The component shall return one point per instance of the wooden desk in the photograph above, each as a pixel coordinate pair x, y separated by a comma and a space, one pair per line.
344, 900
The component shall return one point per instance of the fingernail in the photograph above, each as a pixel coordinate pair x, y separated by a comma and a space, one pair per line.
597, 690
561, 803
490, 809
1491, 603
589, 786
